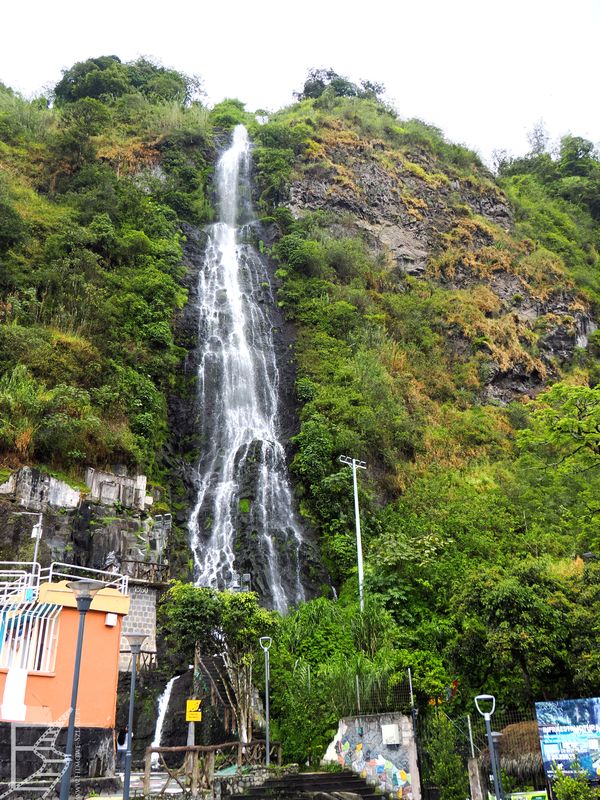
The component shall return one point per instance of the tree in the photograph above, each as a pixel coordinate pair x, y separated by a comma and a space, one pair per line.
318, 80
446, 770
538, 138
517, 631
200, 621
96, 77
576, 156
565, 427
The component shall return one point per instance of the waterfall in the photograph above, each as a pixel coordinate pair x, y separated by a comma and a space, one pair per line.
163, 705
244, 499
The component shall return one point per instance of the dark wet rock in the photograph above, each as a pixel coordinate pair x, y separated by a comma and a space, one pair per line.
504, 386
186, 446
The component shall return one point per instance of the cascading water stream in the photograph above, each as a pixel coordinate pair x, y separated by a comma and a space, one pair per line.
163, 705
242, 475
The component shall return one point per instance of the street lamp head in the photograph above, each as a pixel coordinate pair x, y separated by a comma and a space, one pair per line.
265, 642
484, 699
85, 589
136, 640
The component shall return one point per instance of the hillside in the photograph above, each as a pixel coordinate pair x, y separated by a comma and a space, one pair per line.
443, 328
433, 306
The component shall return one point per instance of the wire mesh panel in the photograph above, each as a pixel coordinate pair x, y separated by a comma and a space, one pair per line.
368, 693
518, 746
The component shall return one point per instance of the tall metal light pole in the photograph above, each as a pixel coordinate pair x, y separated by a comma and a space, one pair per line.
356, 464
36, 533
265, 643
84, 591
487, 716
136, 641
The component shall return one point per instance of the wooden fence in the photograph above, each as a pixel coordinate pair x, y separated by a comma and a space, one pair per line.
200, 762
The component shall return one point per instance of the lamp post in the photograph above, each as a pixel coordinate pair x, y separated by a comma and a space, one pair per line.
84, 591
356, 464
487, 716
136, 641
265, 643
36, 533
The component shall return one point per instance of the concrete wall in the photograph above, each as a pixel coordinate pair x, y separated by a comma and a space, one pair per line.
109, 489
359, 745
46, 697
35, 490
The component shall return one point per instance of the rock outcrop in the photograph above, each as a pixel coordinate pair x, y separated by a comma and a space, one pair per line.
432, 222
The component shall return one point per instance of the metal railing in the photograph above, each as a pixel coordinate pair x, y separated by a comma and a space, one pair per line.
147, 571
58, 571
20, 580
28, 635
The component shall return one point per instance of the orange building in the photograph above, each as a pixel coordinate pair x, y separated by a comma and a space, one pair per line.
38, 633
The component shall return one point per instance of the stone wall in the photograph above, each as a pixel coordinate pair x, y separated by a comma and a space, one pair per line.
382, 749
141, 619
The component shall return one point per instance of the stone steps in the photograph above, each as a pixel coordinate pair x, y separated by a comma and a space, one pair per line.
314, 784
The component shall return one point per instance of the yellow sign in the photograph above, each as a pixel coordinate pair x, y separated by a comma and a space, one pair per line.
192, 711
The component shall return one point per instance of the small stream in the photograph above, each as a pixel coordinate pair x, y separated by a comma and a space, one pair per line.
163, 705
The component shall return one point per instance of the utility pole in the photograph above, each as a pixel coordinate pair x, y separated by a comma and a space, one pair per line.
356, 464
36, 533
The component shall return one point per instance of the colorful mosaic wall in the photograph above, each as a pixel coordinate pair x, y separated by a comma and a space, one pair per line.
359, 745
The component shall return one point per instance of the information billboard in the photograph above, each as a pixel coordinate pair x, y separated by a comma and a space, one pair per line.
570, 736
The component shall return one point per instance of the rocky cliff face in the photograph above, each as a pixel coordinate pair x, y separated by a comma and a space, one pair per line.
75, 530
431, 221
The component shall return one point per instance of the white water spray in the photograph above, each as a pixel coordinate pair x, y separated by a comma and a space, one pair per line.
163, 705
242, 469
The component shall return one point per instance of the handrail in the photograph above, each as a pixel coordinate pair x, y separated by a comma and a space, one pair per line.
18, 577
61, 571
15, 582
198, 768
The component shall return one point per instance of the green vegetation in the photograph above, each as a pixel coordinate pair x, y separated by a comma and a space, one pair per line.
92, 195
200, 622
574, 788
480, 515
476, 514
557, 202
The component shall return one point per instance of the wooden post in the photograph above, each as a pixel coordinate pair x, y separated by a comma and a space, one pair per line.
279, 754
147, 770
195, 773
210, 768
477, 792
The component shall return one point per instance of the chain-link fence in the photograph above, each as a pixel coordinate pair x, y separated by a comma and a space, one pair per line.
516, 738
366, 693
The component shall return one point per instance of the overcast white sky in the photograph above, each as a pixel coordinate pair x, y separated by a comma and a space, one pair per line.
485, 72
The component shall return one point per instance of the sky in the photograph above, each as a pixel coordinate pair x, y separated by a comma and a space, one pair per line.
485, 72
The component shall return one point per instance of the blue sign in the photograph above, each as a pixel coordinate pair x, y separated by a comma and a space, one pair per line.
570, 736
